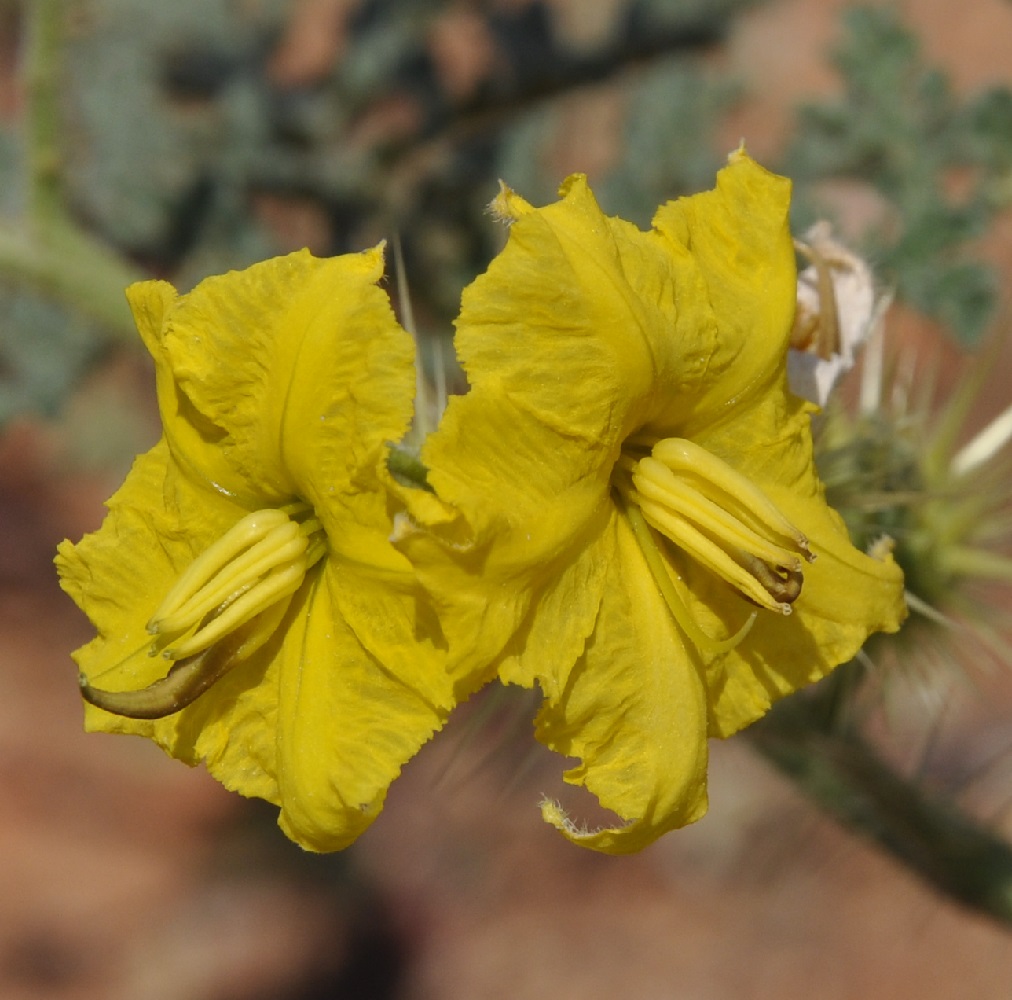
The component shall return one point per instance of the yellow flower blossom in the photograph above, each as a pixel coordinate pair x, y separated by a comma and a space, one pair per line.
252, 613
627, 512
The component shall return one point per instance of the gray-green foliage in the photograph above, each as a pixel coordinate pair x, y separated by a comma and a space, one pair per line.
130, 155
44, 348
664, 149
136, 152
170, 127
900, 127
667, 147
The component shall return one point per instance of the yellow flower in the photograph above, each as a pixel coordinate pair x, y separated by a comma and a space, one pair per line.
627, 510
248, 550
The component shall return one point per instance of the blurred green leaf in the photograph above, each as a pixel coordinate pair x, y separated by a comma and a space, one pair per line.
899, 128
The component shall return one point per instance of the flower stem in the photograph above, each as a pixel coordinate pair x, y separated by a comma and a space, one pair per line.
844, 776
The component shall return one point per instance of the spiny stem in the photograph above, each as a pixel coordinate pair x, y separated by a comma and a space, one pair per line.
843, 775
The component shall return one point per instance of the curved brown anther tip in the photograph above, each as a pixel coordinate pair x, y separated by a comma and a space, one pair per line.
183, 684
786, 586
782, 583
192, 676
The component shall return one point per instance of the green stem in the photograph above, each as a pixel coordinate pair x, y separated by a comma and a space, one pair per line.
67, 265
927, 833
51, 253
42, 125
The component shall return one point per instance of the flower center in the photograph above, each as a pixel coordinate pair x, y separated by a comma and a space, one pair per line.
223, 607
719, 518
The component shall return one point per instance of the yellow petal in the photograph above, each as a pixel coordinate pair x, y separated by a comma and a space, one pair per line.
273, 371
739, 238
351, 713
579, 316
560, 369
149, 302
632, 709
485, 567
845, 595
157, 523
622, 337
320, 719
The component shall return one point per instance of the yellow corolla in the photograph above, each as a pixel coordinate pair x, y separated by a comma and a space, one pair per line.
252, 613
626, 509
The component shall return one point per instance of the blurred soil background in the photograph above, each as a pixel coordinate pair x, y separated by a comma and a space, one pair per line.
208, 137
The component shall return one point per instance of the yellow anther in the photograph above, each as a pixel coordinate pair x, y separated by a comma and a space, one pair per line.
719, 518
281, 547
225, 605
656, 482
241, 537
731, 490
706, 644
281, 581
710, 554
258, 562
